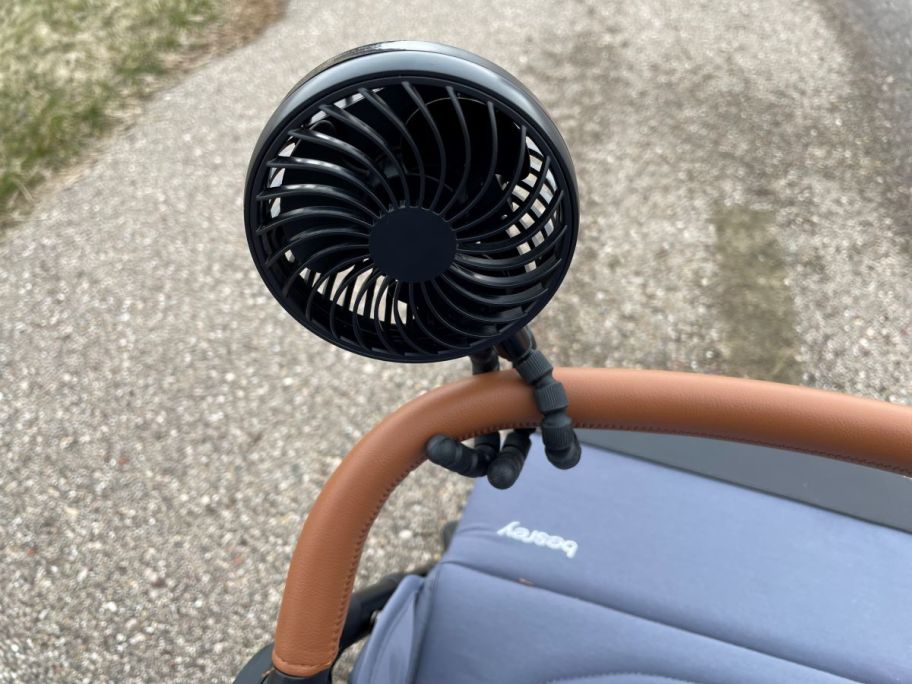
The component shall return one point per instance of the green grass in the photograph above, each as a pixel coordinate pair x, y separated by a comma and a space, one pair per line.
70, 69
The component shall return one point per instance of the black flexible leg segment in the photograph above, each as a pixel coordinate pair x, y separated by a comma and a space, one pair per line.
561, 443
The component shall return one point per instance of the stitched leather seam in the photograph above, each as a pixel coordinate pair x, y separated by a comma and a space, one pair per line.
362, 537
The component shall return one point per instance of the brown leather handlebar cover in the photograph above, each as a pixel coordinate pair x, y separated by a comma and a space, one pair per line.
324, 563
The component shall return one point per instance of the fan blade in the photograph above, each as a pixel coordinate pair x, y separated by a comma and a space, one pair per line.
369, 132
508, 191
328, 168
410, 141
435, 131
315, 234
324, 140
314, 190
467, 151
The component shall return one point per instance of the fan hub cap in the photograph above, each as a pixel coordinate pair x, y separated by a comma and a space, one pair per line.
412, 245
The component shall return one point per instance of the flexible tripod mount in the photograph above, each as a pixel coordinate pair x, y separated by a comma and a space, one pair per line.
503, 464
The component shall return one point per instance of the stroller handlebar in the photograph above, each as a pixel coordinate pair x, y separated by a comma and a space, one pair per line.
323, 566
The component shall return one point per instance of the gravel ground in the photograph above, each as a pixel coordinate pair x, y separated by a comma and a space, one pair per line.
164, 425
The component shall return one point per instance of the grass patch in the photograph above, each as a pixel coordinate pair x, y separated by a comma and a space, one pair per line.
72, 69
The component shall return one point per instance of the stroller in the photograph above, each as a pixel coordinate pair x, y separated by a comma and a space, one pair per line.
413, 202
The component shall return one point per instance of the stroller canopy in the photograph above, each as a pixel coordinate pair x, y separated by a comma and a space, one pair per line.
624, 571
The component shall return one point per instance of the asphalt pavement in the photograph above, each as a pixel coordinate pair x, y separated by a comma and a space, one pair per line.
164, 425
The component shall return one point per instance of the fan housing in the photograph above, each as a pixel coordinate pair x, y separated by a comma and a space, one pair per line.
411, 202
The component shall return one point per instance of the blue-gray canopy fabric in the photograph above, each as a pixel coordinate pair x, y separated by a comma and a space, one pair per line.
624, 571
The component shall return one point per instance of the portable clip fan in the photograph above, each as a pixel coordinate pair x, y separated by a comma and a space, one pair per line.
413, 202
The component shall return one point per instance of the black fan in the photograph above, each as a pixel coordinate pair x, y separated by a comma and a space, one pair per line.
411, 202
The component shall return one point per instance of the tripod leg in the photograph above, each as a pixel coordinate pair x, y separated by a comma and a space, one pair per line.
505, 468
456, 456
561, 443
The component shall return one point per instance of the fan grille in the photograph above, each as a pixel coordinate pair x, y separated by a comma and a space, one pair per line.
411, 218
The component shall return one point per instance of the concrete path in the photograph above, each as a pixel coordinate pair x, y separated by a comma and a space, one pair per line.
164, 425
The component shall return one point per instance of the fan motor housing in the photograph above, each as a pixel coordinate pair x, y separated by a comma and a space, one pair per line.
411, 202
